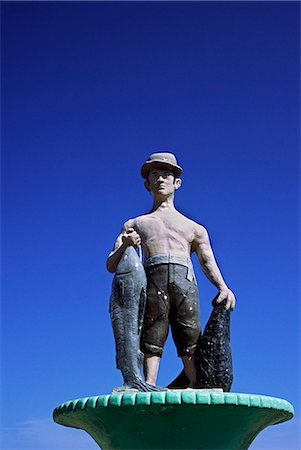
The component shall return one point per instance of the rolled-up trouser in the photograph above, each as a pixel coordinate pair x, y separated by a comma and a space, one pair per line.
172, 298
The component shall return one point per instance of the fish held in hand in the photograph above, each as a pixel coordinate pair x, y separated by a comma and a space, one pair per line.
127, 306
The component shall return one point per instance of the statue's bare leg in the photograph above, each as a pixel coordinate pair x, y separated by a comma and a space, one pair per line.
190, 370
151, 367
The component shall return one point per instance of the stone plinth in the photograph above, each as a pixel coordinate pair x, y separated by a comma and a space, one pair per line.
190, 419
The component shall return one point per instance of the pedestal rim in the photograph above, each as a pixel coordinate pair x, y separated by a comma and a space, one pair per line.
192, 397
174, 419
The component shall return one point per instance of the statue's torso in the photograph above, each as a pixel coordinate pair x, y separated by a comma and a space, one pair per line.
165, 233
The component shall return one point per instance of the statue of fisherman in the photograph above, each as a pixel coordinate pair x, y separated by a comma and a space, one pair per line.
168, 239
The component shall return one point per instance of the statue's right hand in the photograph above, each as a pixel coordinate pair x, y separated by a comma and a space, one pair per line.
131, 238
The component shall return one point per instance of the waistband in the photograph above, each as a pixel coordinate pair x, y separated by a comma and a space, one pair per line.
168, 259
172, 259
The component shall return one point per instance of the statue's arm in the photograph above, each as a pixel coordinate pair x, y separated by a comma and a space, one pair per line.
201, 245
127, 237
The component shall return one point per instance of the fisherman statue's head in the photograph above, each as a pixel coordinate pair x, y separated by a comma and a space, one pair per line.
161, 173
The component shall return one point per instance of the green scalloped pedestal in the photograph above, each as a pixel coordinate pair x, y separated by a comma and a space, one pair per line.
191, 419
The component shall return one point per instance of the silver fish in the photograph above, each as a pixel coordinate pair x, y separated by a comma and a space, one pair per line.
127, 306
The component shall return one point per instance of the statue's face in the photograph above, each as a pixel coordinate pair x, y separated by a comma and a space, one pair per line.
162, 182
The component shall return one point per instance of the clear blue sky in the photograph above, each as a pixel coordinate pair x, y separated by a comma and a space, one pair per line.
89, 90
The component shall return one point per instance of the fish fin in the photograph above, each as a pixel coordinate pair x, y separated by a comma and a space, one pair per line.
121, 291
143, 386
141, 309
181, 382
124, 388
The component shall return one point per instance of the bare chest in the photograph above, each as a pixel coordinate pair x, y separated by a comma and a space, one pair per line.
166, 231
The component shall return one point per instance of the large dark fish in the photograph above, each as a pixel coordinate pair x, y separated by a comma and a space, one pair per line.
213, 353
127, 306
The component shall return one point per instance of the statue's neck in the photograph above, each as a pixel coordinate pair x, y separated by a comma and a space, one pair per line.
163, 204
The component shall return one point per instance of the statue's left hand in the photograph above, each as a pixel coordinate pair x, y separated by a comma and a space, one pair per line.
226, 293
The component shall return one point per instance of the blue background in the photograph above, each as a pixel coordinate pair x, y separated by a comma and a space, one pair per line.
89, 90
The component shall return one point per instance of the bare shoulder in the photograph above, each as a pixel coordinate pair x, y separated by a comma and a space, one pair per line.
128, 224
135, 222
125, 228
198, 230
200, 233
141, 222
